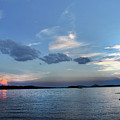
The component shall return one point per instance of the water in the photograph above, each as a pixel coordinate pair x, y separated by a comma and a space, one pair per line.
60, 104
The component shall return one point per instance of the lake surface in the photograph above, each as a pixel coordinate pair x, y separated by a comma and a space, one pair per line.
60, 104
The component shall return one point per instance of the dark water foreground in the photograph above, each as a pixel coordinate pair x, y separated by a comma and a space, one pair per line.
60, 104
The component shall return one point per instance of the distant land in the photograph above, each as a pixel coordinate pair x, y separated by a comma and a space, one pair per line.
36, 87
93, 86
22, 87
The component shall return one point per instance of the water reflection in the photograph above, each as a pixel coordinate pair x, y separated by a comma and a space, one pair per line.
3, 94
60, 104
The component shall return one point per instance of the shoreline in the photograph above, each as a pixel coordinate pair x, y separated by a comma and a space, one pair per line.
38, 87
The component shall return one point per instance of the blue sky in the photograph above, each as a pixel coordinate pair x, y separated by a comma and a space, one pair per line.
50, 42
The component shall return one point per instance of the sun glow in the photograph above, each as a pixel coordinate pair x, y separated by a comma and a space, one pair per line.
3, 81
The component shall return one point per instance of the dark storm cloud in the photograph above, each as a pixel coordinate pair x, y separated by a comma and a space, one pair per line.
17, 51
82, 60
55, 58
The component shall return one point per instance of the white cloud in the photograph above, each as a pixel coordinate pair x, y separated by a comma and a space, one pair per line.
111, 62
114, 54
65, 42
114, 47
61, 42
116, 73
112, 57
47, 31
78, 54
1, 14
24, 77
108, 65
31, 44
63, 36
69, 69
91, 54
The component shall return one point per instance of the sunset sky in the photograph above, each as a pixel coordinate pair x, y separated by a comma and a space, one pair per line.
59, 42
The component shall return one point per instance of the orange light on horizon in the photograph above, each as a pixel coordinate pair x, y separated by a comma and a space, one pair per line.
3, 81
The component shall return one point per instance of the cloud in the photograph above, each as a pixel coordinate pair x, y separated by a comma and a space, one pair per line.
110, 62
116, 73
114, 54
31, 44
114, 47
55, 58
47, 32
78, 54
24, 77
17, 51
111, 57
64, 35
107, 69
91, 54
1, 14
108, 65
69, 69
60, 42
82, 60
65, 42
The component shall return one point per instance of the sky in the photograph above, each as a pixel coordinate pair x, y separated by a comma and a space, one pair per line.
59, 42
